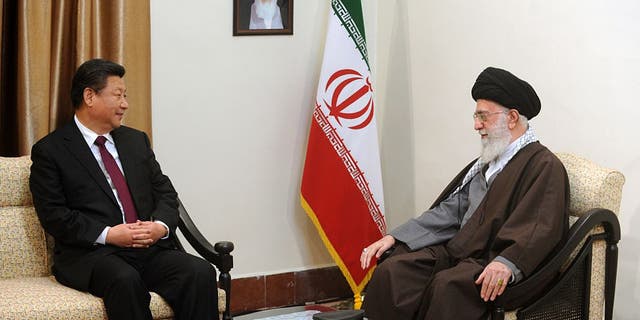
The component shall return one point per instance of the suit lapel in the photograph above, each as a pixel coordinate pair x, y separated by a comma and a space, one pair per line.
78, 147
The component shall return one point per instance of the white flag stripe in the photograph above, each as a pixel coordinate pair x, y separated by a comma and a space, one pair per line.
365, 151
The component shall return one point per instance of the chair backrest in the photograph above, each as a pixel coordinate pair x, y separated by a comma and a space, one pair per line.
23, 244
592, 186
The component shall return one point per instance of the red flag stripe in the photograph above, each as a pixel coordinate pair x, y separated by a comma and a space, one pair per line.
342, 209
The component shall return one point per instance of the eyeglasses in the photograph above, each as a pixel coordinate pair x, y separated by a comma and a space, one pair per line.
484, 116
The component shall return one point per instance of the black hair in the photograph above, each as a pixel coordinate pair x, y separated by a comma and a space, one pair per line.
93, 74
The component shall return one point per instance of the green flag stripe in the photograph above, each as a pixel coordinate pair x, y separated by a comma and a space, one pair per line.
350, 14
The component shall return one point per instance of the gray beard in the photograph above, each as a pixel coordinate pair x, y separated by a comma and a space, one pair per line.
497, 141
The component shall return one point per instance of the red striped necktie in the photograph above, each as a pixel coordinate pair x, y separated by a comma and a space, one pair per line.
130, 214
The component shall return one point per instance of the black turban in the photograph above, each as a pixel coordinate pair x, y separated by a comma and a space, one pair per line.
503, 87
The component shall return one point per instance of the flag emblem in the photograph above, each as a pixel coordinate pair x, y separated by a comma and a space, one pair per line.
351, 98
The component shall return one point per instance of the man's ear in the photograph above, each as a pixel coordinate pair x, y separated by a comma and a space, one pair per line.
513, 118
88, 95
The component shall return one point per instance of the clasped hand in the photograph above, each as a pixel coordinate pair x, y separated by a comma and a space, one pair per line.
140, 234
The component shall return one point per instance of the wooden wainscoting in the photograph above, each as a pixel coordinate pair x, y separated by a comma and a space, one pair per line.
287, 289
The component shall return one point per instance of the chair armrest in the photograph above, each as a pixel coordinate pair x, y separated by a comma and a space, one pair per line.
218, 254
385, 255
577, 233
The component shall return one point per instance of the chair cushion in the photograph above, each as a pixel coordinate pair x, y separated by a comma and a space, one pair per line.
44, 298
23, 249
14, 185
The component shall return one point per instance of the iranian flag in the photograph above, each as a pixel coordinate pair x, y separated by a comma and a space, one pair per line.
342, 185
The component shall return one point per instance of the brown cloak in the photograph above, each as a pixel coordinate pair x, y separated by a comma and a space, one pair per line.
523, 218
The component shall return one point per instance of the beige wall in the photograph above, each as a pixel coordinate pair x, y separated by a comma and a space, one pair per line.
231, 129
231, 117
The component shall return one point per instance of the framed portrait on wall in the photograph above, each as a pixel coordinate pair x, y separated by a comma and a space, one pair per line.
262, 17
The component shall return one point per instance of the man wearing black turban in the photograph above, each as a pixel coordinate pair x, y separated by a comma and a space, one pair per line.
506, 89
492, 226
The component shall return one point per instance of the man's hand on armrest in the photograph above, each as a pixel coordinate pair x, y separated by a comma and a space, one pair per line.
494, 279
377, 248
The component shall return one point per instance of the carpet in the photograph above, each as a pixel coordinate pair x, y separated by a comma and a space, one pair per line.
288, 313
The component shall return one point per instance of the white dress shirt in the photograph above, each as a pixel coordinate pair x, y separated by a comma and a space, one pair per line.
90, 137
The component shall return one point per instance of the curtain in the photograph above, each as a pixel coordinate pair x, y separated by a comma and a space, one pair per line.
44, 41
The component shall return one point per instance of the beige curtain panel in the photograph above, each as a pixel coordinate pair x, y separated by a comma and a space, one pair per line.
44, 41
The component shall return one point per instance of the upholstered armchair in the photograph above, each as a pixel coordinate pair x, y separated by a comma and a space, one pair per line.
585, 267
27, 288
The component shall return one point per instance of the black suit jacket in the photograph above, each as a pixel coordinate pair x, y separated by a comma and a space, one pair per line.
75, 203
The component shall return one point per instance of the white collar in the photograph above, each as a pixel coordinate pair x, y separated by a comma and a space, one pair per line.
88, 134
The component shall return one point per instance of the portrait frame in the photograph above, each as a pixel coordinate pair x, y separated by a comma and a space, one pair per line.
242, 19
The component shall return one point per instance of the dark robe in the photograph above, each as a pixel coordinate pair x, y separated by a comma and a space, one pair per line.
523, 218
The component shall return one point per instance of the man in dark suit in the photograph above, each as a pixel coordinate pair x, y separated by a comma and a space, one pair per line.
99, 191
